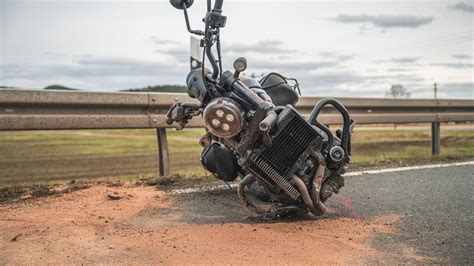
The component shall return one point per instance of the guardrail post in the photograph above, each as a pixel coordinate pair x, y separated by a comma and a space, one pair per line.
163, 155
435, 138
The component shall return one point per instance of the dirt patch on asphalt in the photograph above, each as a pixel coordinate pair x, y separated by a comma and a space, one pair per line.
88, 226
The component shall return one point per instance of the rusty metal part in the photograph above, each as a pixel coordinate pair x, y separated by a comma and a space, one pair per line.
331, 185
296, 181
267, 123
317, 184
270, 171
273, 210
247, 181
251, 133
205, 140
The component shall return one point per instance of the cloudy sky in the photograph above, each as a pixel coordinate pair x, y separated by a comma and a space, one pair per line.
334, 48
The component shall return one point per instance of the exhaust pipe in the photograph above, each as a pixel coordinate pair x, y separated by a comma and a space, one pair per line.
313, 200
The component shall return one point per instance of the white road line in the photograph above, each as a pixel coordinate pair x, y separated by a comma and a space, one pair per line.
367, 172
408, 168
201, 189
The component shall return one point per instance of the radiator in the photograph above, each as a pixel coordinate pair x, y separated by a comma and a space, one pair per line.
293, 137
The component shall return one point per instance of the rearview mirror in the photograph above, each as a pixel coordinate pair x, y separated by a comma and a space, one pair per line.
179, 3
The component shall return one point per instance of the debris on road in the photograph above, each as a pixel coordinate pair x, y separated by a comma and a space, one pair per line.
114, 195
145, 229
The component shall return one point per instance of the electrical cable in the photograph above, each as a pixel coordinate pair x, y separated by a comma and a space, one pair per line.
219, 51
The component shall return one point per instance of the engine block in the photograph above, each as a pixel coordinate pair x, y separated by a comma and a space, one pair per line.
293, 137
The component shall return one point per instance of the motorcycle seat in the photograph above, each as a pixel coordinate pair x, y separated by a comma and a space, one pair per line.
277, 87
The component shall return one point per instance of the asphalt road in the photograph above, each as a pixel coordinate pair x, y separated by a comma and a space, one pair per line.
436, 206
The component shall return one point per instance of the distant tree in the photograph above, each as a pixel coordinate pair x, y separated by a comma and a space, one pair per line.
397, 91
59, 87
161, 88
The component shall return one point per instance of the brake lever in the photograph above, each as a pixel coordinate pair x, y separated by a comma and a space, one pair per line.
182, 113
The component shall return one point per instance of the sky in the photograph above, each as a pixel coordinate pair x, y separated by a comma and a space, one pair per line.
334, 48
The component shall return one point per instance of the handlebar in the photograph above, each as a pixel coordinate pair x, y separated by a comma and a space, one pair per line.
218, 4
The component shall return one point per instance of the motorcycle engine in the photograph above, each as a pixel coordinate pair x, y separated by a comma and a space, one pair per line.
293, 141
286, 163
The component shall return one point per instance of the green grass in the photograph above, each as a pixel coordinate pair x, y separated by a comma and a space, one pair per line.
45, 157
379, 147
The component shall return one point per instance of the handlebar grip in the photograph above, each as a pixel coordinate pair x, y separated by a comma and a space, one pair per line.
218, 4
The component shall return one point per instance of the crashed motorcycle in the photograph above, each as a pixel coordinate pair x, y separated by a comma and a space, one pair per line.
286, 163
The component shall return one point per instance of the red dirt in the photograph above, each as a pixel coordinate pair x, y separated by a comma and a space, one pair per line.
86, 227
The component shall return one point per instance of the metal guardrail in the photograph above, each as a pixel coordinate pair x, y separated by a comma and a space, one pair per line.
51, 110
38, 110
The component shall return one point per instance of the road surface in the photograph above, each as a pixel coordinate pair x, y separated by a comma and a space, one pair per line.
436, 205
390, 216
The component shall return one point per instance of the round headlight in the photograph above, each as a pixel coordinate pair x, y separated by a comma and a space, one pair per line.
223, 117
240, 64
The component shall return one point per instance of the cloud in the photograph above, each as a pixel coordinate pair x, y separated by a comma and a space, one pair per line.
404, 59
352, 84
461, 6
399, 69
455, 65
268, 56
338, 56
261, 47
97, 72
331, 83
386, 21
330, 79
159, 41
400, 60
398, 78
460, 90
290, 66
179, 53
362, 30
461, 56
115, 61
118, 66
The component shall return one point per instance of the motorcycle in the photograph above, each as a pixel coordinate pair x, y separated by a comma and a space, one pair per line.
286, 164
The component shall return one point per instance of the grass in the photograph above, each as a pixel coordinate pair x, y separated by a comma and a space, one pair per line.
400, 147
47, 157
